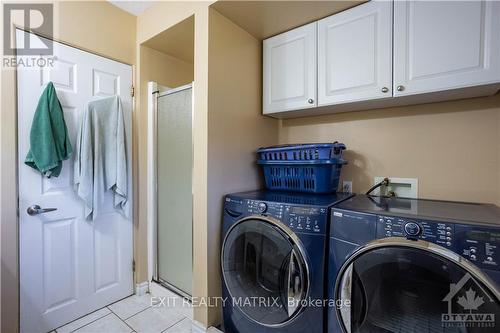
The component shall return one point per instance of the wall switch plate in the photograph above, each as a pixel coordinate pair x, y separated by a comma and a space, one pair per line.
402, 187
347, 186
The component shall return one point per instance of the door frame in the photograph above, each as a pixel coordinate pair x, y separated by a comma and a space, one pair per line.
152, 182
16, 143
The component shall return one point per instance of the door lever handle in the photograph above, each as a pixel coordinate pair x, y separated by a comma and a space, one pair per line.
35, 210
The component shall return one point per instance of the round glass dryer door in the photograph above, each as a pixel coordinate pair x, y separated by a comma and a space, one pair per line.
407, 289
265, 271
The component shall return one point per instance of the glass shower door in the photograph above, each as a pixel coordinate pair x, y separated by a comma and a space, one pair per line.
174, 189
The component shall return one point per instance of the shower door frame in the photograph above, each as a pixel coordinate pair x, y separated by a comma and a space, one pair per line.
152, 218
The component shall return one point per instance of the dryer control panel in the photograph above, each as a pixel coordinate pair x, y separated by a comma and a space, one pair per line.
480, 245
436, 232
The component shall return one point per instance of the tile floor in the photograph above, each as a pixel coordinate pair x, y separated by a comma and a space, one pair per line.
139, 314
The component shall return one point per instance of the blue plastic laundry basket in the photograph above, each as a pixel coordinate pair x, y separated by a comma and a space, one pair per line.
313, 176
302, 152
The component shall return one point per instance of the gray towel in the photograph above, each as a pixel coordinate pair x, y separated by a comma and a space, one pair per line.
101, 161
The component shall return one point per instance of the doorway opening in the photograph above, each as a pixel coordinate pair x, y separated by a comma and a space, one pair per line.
72, 263
167, 60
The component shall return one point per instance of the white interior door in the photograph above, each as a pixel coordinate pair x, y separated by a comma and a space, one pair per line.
355, 54
70, 266
290, 70
442, 45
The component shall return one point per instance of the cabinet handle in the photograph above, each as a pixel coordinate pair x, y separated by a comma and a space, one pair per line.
400, 88
310, 101
385, 89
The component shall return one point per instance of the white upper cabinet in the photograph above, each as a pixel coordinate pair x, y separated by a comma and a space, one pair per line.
444, 45
355, 54
289, 79
382, 54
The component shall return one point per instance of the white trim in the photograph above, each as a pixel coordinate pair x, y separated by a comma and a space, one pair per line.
174, 90
198, 327
151, 179
142, 288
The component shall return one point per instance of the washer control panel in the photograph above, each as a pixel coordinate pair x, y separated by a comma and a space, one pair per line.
306, 219
255, 207
298, 218
412, 229
436, 232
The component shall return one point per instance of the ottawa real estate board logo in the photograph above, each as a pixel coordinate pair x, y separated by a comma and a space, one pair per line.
24, 24
468, 305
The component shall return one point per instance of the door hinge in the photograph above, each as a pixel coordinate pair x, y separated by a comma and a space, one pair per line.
133, 265
132, 91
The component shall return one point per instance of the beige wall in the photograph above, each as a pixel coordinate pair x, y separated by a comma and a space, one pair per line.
227, 76
235, 128
95, 26
453, 148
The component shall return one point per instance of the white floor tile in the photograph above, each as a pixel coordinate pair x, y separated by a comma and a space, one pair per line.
176, 303
184, 326
185, 308
154, 320
130, 306
109, 324
74, 325
174, 300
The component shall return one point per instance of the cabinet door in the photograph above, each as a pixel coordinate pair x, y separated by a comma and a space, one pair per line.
441, 45
290, 70
355, 54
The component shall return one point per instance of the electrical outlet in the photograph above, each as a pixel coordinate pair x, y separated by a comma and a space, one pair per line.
402, 187
347, 186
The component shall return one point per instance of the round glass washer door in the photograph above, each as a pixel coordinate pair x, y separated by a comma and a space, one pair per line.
265, 271
406, 289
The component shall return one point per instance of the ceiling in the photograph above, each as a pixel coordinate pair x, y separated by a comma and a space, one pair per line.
264, 19
177, 41
133, 7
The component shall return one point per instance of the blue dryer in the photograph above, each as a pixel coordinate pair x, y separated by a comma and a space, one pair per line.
273, 261
405, 265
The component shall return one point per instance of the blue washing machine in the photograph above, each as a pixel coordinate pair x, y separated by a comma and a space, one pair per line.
273, 261
405, 265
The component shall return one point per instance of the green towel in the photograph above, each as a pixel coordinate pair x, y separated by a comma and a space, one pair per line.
49, 141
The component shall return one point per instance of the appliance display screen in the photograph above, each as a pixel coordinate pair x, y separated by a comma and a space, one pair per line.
304, 211
482, 236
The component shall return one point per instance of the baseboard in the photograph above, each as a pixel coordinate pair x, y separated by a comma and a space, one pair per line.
198, 327
142, 288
